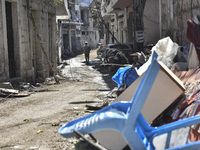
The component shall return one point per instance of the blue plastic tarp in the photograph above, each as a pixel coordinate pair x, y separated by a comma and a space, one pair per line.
125, 76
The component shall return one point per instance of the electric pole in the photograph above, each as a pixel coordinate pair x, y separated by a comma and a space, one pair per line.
138, 24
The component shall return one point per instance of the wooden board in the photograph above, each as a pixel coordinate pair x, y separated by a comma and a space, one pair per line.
165, 90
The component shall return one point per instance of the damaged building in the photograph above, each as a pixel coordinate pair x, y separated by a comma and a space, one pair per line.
161, 19
75, 26
20, 50
118, 17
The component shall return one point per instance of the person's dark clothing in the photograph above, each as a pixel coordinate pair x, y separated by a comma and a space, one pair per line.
86, 51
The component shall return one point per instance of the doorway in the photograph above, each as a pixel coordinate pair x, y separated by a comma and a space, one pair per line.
12, 39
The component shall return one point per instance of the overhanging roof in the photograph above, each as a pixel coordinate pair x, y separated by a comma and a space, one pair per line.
123, 3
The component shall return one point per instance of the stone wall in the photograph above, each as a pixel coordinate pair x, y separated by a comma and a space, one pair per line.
2, 46
30, 63
174, 16
151, 22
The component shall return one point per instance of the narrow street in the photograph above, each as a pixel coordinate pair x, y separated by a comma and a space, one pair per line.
32, 122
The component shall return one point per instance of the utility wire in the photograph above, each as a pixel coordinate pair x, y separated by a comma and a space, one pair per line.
105, 25
150, 19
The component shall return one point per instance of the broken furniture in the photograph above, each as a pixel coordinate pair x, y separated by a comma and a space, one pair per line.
166, 88
126, 118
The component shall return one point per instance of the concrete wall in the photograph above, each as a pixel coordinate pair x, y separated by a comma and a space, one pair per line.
174, 16
3, 44
151, 22
30, 62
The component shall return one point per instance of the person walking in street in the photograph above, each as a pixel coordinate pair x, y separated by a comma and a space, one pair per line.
86, 51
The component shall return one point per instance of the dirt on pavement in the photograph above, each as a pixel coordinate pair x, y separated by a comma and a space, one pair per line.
32, 122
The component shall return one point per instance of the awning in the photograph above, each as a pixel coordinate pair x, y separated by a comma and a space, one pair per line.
123, 3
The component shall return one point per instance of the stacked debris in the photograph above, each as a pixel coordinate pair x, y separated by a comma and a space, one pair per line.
171, 92
188, 104
122, 54
184, 63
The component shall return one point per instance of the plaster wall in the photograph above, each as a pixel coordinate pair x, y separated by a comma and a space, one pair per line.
151, 22
27, 50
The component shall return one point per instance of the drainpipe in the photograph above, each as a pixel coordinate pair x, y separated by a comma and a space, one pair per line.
67, 9
59, 35
69, 14
160, 18
70, 39
134, 26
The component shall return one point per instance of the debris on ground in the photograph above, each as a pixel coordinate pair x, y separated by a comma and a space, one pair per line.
172, 99
6, 85
9, 91
23, 89
91, 107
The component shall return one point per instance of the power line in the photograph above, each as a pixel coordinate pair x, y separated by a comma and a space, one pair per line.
150, 19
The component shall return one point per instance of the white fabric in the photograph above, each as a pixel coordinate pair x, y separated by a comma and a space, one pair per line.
166, 50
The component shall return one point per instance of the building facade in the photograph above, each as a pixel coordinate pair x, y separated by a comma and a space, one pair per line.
88, 32
21, 57
68, 29
75, 26
118, 17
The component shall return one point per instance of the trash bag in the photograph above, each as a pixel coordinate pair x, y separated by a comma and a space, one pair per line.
125, 76
166, 50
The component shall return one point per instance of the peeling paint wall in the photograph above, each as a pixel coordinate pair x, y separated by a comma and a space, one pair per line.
174, 16
30, 63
